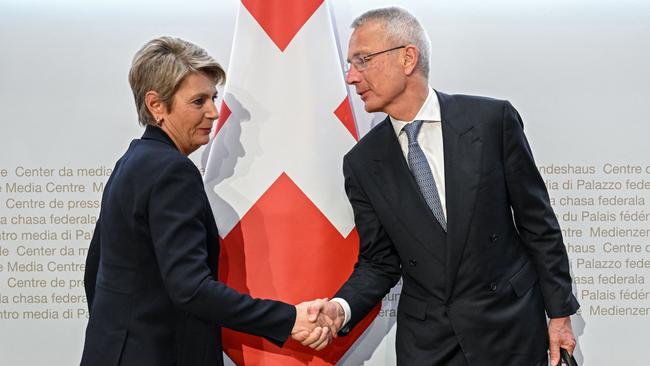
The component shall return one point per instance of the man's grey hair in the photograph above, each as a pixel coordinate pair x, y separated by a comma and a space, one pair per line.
403, 28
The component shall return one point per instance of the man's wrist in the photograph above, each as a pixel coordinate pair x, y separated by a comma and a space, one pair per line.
344, 310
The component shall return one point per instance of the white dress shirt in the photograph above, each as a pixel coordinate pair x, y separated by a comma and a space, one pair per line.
430, 141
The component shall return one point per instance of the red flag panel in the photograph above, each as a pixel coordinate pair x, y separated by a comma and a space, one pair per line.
284, 248
223, 117
281, 19
344, 113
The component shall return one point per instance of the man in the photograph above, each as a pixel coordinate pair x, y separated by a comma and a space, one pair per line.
446, 194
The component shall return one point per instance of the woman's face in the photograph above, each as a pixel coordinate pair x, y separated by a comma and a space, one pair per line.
188, 121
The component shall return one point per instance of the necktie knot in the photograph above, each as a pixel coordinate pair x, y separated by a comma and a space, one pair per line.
412, 130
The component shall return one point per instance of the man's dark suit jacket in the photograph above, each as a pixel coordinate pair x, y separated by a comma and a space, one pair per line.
485, 284
152, 264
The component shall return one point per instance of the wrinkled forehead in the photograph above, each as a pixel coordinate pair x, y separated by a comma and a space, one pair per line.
367, 38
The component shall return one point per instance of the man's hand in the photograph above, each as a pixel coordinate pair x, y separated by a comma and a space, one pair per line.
306, 330
327, 314
560, 334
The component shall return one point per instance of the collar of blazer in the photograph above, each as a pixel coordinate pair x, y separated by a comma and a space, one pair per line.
462, 148
157, 134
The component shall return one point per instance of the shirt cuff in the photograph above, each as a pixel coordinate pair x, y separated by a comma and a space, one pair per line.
346, 309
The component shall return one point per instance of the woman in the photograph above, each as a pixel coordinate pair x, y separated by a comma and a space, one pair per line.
151, 268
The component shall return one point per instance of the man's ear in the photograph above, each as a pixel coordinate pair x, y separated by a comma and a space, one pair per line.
155, 105
411, 57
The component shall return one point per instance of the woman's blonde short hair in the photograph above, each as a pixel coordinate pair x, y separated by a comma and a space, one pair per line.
161, 65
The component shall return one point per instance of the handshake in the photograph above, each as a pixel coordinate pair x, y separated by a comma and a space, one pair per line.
317, 323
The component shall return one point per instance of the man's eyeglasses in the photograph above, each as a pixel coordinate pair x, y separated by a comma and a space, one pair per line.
361, 62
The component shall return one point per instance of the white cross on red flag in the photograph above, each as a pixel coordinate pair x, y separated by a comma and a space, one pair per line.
274, 171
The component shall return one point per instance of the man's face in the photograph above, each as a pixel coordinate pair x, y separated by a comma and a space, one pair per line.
382, 79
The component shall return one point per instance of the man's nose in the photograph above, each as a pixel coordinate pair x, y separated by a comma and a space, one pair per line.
352, 76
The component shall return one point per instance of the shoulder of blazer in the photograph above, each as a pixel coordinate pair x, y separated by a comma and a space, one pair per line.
372, 141
169, 163
461, 113
155, 140
150, 159
468, 100
470, 107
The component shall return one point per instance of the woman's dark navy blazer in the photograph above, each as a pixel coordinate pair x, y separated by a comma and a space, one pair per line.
151, 271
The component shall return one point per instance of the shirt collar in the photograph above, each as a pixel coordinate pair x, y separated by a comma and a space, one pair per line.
429, 112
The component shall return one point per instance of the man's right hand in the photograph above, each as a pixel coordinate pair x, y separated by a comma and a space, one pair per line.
328, 314
307, 330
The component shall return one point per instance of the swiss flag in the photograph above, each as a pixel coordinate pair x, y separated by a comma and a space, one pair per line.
274, 171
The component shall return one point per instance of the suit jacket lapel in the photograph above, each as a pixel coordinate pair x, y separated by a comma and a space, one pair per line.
462, 155
401, 191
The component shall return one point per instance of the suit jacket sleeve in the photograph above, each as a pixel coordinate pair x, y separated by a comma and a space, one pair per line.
536, 223
92, 265
378, 266
177, 208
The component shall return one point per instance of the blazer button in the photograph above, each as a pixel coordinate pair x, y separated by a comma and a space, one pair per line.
493, 286
413, 262
494, 238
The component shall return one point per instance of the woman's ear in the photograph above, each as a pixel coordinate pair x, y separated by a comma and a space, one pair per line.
155, 105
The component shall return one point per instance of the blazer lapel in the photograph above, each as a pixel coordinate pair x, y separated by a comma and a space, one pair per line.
401, 191
462, 155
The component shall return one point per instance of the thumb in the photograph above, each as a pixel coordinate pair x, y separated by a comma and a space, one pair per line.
555, 353
314, 309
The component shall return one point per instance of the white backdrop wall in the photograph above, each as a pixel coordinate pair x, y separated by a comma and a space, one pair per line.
577, 71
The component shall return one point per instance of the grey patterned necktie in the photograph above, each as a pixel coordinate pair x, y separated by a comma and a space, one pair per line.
421, 171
